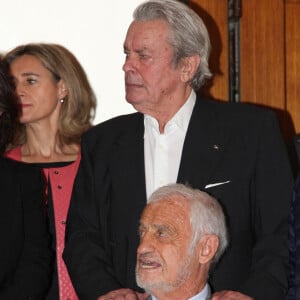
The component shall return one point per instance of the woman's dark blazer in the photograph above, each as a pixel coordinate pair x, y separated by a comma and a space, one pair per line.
24, 246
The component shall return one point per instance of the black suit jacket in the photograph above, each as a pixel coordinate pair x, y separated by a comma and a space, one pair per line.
294, 244
237, 146
24, 247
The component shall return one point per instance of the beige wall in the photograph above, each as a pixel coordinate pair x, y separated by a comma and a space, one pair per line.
92, 29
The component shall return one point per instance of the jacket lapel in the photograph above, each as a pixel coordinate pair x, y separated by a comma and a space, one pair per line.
128, 164
203, 146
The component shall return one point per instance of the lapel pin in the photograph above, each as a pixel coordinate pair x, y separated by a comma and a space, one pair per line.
216, 147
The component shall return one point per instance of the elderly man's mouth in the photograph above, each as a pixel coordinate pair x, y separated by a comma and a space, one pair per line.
147, 264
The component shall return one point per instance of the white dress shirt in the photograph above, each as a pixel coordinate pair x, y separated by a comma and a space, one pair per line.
163, 151
203, 295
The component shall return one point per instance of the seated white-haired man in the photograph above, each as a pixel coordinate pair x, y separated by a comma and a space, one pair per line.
182, 232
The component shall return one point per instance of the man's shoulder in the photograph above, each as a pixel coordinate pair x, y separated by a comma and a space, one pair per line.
241, 112
116, 124
233, 107
110, 131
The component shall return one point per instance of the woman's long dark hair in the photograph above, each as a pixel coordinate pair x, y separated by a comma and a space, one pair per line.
9, 110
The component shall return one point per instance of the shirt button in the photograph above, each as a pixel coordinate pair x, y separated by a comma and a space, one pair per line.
59, 187
56, 172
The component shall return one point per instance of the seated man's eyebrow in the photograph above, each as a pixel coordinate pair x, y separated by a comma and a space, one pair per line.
163, 227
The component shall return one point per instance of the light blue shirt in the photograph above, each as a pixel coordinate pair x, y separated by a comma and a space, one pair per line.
200, 296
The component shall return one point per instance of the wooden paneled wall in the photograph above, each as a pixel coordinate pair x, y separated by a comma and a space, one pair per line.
269, 55
262, 53
292, 44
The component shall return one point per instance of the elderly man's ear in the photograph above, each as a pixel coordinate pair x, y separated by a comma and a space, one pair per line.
207, 248
189, 66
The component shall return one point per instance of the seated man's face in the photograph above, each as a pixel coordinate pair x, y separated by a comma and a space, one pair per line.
164, 259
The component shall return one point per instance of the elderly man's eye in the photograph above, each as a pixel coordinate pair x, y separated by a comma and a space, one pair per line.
31, 81
161, 233
141, 233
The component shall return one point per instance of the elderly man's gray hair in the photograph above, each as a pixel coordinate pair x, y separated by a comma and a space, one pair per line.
206, 213
188, 34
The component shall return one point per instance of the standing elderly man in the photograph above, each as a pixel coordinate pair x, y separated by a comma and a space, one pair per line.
182, 232
233, 151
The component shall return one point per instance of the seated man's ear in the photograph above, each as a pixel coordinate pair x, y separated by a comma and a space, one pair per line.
207, 248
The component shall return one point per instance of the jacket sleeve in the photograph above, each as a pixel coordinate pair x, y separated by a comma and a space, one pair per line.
32, 275
271, 194
294, 261
85, 253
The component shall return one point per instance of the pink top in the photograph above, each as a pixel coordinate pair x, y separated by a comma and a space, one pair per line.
62, 179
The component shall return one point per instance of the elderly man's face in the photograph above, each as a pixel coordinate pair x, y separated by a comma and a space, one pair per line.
164, 262
151, 79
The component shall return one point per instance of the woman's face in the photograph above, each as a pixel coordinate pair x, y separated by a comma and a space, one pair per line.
39, 93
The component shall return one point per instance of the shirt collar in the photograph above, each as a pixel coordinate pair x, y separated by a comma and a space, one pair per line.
202, 295
181, 118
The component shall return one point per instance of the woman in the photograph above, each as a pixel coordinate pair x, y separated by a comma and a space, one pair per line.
57, 104
24, 247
